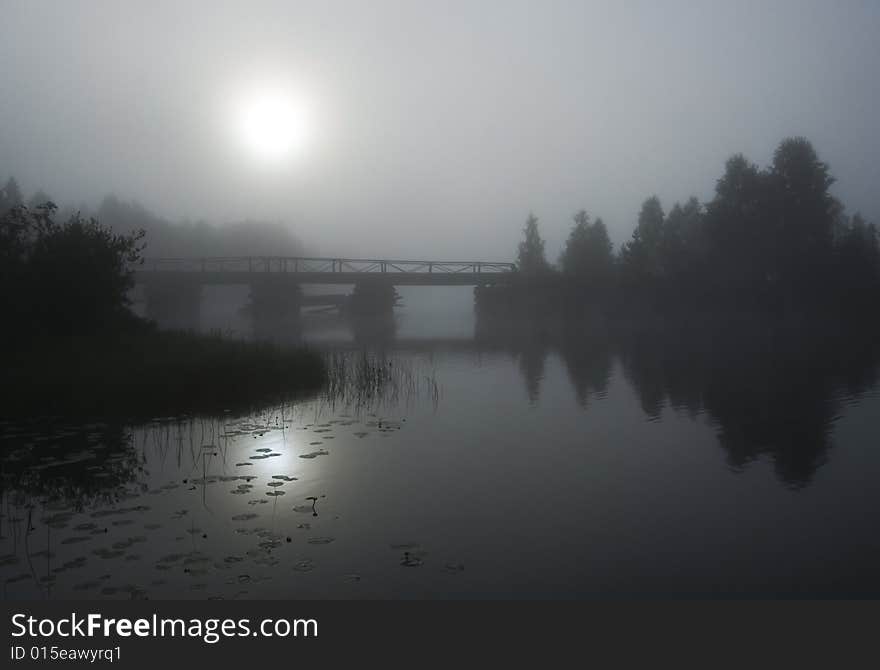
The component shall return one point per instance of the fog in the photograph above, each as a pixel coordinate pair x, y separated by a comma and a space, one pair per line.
433, 128
508, 300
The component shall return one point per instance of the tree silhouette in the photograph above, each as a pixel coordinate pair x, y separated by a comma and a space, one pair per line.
803, 212
587, 254
10, 195
642, 256
65, 278
857, 261
684, 244
531, 259
740, 250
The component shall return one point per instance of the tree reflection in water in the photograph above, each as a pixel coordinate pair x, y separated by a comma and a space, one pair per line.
771, 390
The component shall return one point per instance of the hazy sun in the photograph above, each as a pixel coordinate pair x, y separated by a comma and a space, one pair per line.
273, 124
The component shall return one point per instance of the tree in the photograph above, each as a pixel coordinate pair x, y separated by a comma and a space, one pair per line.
740, 248
803, 212
10, 195
683, 247
857, 271
587, 254
601, 247
531, 260
71, 277
18, 229
642, 256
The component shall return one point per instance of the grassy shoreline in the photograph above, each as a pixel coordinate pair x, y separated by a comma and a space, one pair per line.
145, 373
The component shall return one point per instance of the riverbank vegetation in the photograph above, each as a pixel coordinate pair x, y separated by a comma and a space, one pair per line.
72, 345
145, 372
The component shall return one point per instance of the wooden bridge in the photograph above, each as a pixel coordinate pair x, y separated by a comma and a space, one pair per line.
253, 269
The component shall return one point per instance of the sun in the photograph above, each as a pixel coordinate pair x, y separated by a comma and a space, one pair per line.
273, 124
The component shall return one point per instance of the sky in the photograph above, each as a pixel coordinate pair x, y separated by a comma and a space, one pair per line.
431, 129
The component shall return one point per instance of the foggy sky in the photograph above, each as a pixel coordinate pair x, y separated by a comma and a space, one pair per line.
437, 126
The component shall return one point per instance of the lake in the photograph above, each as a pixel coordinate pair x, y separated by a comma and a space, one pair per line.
499, 462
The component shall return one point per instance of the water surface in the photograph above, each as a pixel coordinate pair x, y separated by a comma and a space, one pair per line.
514, 464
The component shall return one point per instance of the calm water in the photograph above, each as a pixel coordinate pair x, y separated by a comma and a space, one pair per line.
511, 465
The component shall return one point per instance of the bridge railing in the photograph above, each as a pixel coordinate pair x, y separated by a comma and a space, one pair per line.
293, 264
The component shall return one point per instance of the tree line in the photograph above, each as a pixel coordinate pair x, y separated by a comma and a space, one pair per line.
66, 271
770, 238
169, 238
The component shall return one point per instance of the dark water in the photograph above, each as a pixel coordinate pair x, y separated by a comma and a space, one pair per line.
520, 463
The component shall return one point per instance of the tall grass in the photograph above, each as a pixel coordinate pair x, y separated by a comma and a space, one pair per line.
366, 381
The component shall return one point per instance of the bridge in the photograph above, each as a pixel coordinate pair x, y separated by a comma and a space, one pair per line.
303, 270
173, 285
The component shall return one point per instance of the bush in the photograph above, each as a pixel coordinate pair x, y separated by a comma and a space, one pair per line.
65, 278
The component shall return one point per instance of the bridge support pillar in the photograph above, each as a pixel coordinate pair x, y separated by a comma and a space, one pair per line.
373, 297
274, 307
174, 304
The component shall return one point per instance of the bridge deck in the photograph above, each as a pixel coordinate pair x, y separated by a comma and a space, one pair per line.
247, 270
